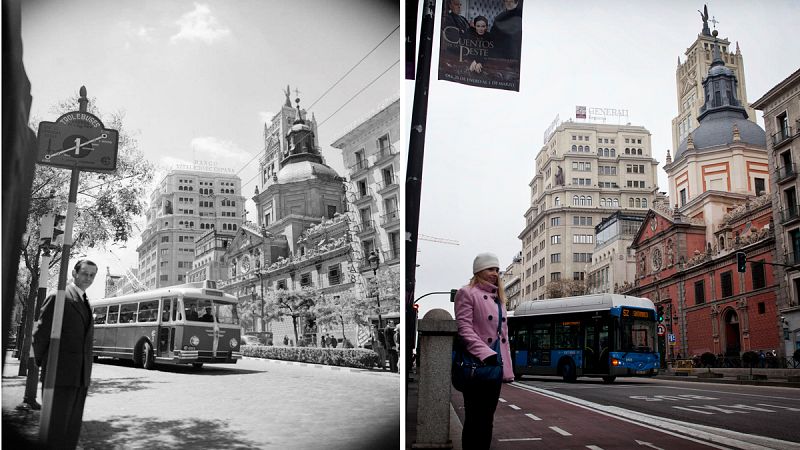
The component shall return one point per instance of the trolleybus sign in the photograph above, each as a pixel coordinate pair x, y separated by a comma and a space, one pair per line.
78, 140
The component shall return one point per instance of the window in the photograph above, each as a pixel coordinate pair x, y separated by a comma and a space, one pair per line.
281, 284
305, 279
578, 276
557, 202
683, 197
555, 276
148, 311
555, 239
164, 277
760, 186
555, 221
99, 315
362, 188
726, 282
699, 292
334, 275
759, 279
164, 238
555, 257
762, 308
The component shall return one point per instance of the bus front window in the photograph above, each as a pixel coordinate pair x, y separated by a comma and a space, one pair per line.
637, 335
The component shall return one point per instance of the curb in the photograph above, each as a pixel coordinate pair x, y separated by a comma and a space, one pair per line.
323, 366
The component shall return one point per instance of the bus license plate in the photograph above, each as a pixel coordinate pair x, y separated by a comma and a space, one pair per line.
641, 372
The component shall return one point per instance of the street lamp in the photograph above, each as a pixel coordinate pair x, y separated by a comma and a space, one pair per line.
375, 262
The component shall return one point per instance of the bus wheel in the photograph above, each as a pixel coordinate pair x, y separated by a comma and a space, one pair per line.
568, 371
147, 356
609, 379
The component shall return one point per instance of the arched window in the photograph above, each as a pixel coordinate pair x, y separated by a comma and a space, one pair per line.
599, 151
630, 202
557, 201
575, 200
606, 152
589, 201
638, 203
580, 148
574, 148
616, 203
602, 202
583, 200
639, 151
627, 151
588, 149
644, 203
613, 153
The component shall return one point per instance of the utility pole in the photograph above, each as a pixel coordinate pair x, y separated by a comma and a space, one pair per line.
416, 152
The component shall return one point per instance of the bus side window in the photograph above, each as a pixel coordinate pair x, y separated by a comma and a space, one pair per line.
165, 310
113, 313
148, 311
100, 315
127, 313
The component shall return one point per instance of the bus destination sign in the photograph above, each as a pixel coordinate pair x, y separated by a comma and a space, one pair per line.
637, 314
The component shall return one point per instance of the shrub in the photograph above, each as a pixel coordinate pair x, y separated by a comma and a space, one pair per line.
750, 358
346, 357
708, 359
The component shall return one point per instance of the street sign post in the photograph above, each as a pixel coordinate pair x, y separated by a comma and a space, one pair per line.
74, 147
662, 329
671, 339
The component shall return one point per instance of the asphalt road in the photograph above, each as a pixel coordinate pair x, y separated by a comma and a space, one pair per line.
254, 404
736, 411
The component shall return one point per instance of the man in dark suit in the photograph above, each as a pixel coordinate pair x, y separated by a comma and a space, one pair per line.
74, 369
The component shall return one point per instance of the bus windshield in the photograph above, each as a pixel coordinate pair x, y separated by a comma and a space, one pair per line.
637, 335
207, 310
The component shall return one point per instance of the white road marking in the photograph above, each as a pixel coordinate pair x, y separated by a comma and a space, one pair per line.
648, 444
693, 410
514, 407
711, 437
501, 399
560, 431
519, 439
781, 407
594, 447
532, 416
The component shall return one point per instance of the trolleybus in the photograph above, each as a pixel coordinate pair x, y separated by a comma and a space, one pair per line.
598, 335
193, 323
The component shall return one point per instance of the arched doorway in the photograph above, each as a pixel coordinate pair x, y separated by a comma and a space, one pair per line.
733, 344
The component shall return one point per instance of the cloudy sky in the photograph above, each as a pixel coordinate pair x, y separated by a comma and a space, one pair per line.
198, 80
481, 144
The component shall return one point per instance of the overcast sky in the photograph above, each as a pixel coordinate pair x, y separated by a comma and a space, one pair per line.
198, 80
481, 143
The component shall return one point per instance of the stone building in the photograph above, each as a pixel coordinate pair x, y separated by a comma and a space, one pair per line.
189, 201
781, 108
584, 173
686, 255
512, 282
613, 261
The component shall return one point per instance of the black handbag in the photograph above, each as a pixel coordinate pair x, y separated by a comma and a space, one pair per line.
467, 369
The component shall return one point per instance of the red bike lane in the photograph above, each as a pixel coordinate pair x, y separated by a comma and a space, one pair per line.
526, 419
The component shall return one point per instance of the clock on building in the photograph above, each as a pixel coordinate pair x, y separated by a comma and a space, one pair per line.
657, 259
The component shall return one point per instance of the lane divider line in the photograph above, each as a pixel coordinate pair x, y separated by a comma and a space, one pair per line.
594, 447
519, 439
501, 399
532, 416
560, 431
514, 407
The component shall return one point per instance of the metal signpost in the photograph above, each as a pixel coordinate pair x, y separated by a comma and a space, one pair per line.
78, 141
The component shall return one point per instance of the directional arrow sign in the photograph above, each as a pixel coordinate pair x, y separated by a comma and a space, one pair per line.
661, 329
89, 149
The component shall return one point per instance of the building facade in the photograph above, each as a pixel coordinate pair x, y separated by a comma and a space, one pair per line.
371, 156
613, 261
689, 80
187, 203
781, 109
585, 172
512, 282
209, 256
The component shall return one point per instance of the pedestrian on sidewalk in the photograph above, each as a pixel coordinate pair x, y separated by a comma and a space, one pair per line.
74, 370
476, 307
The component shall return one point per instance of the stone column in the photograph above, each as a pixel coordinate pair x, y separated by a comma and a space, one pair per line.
436, 331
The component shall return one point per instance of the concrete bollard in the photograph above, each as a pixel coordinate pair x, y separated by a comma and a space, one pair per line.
436, 331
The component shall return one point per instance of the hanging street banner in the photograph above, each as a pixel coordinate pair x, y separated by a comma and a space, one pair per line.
78, 140
482, 46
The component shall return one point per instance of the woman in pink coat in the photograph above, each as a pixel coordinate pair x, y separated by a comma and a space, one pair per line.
477, 315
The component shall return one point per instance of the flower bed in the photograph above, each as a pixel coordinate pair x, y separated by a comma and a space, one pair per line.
346, 357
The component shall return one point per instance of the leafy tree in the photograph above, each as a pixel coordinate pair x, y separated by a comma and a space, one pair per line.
296, 304
565, 288
106, 206
347, 307
389, 290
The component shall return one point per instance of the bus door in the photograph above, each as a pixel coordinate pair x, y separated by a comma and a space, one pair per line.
591, 347
604, 344
166, 332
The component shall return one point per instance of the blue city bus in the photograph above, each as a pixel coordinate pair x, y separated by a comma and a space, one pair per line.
192, 323
598, 335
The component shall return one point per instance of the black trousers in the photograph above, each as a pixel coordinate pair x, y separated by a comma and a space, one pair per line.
68, 405
480, 402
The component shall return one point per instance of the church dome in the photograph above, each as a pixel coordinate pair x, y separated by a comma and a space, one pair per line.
303, 171
716, 130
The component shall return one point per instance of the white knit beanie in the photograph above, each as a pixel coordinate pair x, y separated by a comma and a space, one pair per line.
485, 261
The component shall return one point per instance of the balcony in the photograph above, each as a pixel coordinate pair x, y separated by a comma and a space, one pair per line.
387, 184
792, 259
786, 173
362, 197
365, 227
781, 137
360, 165
789, 215
385, 153
390, 218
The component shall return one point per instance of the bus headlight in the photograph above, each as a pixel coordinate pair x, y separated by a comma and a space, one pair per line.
234, 342
615, 362
194, 340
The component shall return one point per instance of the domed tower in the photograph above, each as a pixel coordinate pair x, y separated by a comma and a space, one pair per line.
304, 191
724, 160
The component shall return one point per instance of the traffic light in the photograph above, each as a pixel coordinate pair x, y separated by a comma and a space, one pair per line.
416, 308
453, 293
741, 262
660, 314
